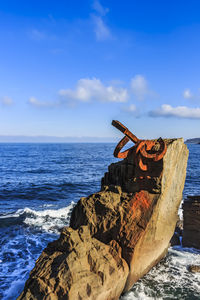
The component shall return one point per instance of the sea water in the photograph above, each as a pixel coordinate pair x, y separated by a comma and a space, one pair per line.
39, 186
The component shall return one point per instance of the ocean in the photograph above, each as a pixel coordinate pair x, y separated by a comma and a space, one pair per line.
39, 186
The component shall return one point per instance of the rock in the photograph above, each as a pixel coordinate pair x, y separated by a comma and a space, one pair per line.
154, 241
142, 217
175, 240
77, 267
191, 222
194, 268
116, 235
115, 216
177, 236
179, 227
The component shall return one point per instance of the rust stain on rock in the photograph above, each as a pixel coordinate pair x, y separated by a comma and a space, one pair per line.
140, 200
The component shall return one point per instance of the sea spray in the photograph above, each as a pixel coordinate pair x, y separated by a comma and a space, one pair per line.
28, 231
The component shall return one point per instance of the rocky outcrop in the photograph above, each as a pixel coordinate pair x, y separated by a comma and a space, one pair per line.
115, 235
154, 240
114, 215
77, 267
191, 222
178, 233
194, 268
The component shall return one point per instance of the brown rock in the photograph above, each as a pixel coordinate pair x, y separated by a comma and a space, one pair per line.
116, 235
153, 244
128, 175
176, 238
194, 268
115, 216
142, 221
191, 222
77, 267
179, 227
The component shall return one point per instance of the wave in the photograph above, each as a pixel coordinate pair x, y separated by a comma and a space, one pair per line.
49, 220
21, 245
170, 279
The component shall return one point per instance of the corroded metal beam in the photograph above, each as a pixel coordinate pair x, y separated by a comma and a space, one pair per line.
145, 149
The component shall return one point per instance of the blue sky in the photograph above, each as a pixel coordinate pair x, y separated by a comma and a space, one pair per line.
67, 68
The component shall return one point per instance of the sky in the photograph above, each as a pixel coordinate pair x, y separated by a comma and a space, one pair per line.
68, 68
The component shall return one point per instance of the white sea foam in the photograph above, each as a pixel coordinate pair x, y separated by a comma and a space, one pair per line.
170, 279
49, 220
23, 245
167, 279
47, 205
180, 211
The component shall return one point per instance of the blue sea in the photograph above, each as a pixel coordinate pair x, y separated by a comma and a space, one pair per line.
39, 186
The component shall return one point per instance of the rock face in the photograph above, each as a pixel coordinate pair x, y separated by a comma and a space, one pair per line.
178, 234
194, 268
191, 222
116, 235
77, 267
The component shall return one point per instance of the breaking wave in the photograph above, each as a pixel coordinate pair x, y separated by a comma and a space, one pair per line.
49, 220
26, 233
170, 279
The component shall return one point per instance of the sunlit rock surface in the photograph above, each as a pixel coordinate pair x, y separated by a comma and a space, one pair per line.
116, 235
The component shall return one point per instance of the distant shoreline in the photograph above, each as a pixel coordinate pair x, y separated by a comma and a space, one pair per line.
52, 139
193, 141
66, 140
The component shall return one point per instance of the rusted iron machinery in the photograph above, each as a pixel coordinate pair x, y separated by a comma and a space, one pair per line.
144, 149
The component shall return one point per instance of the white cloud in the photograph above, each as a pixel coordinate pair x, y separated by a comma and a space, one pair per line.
139, 87
167, 110
131, 108
6, 101
99, 8
102, 31
93, 89
37, 103
187, 94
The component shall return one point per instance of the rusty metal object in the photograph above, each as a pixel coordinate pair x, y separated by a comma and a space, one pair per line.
125, 131
144, 148
128, 136
119, 146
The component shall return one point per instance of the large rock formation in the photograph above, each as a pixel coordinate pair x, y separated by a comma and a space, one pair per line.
77, 267
143, 217
191, 222
118, 234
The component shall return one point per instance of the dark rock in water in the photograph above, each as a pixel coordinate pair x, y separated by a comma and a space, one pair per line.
116, 235
179, 227
191, 222
175, 240
194, 268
